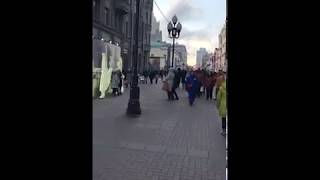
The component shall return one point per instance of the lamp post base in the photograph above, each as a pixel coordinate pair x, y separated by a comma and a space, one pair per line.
134, 104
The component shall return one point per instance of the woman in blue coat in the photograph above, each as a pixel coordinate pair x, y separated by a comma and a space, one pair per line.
191, 86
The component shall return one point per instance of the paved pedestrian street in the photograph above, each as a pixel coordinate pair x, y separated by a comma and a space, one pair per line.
168, 141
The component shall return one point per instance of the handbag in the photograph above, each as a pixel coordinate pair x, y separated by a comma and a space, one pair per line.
165, 86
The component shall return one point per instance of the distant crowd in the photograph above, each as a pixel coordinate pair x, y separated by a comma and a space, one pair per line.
198, 83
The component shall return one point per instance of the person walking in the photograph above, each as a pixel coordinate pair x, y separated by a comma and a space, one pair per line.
191, 87
183, 78
145, 75
120, 82
198, 74
151, 76
170, 81
156, 76
161, 75
179, 74
176, 83
115, 83
202, 81
209, 84
222, 105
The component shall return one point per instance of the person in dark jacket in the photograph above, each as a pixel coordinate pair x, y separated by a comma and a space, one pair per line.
209, 84
156, 76
151, 76
191, 87
145, 75
198, 74
183, 78
120, 82
161, 74
176, 82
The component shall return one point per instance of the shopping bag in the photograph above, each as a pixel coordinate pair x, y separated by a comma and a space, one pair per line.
165, 86
202, 89
122, 89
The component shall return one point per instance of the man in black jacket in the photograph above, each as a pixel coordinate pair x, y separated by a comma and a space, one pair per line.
176, 83
183, 78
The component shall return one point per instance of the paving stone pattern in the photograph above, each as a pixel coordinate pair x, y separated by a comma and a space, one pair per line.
169, 141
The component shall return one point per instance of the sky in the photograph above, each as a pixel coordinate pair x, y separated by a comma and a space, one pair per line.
202, 21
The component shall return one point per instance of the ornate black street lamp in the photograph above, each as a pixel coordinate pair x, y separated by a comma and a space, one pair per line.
134, 104
174, 30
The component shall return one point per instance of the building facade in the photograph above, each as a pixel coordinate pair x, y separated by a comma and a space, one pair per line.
161, 52
206, 61
217, 62
180, 56
114, 21
156, 34
158, 55
222, 46
200, 53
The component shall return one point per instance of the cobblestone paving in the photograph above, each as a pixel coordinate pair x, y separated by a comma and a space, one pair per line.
169, 141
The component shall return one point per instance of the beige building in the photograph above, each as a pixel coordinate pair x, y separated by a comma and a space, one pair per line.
158, 55
217, 63
223, 49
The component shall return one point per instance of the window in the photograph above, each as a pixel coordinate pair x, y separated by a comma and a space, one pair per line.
127, 26
96, 9
147, 17
117, 20
106, 15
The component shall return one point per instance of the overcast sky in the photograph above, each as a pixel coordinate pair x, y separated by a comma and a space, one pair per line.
201, 22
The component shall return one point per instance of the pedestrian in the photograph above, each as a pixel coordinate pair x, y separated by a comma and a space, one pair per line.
198, 74
191, 87
125, 79
120, 82
176, 83
157, 76
222, 105
115, 83
202, 81
161, 75
209, 84
145, 75
183, 78
169, 79
151, 76
215, 75
179, 74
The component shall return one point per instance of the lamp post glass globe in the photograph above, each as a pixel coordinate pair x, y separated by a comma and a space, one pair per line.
174, 19
169, 27
179, 26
